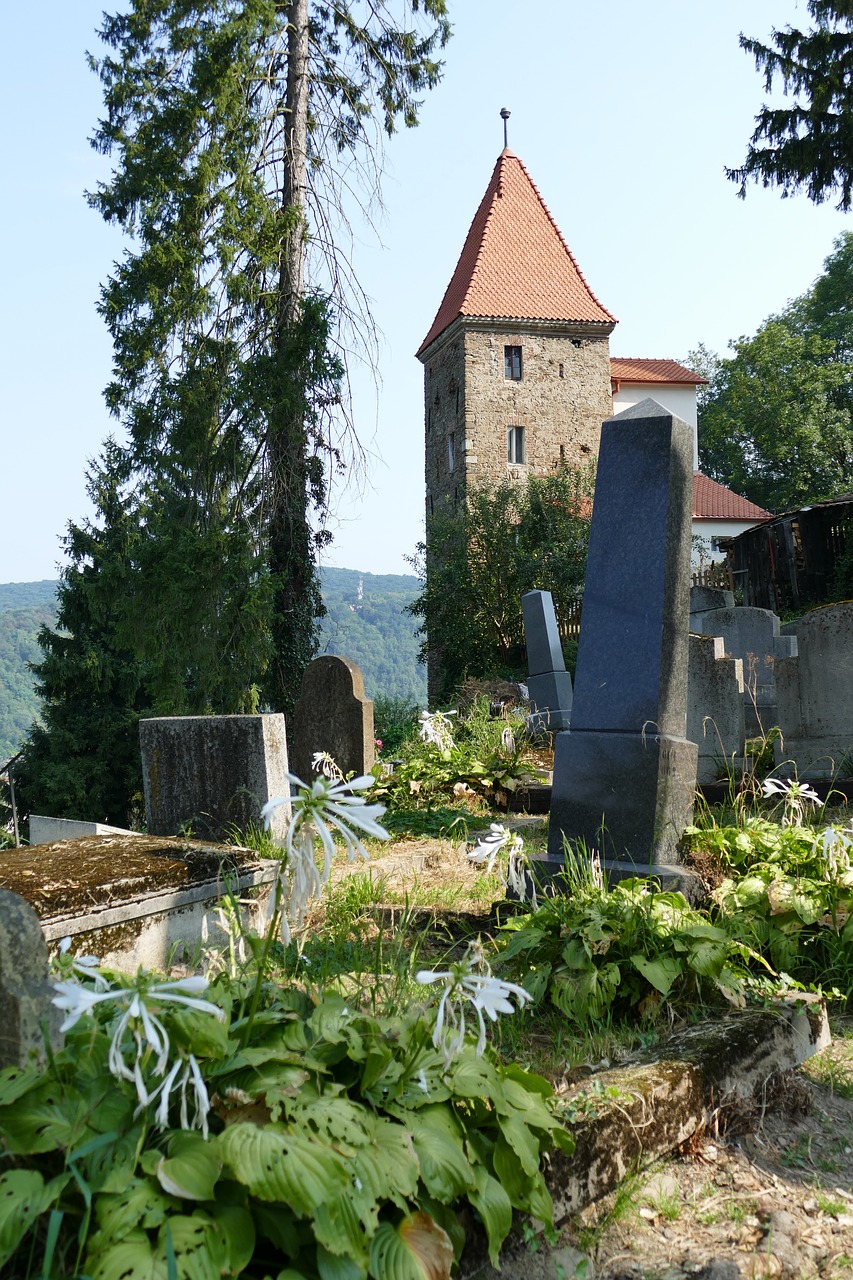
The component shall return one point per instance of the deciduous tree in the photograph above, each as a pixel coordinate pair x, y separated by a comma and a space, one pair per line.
481, 556
777, 421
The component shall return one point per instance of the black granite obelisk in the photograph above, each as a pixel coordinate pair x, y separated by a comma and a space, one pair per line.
624, 773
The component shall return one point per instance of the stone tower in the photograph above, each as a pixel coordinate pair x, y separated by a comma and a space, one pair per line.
517, 360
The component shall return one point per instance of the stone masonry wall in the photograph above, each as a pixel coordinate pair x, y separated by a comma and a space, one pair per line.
560, 401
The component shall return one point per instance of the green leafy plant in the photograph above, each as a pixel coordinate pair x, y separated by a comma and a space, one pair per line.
247, 1126
788, 892
630, 950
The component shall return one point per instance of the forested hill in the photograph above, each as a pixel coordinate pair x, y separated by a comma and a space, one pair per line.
365, 622
24, 608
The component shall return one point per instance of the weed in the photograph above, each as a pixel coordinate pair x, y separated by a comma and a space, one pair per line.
828, 1204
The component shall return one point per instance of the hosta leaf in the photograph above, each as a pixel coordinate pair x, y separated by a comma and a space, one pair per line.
660, 971
141, 1204
417, 1249
493, 1205
276, 1165
234, 1224
474, 1077
24, 1196
200, 1249
528, 1079
191, 1168
332, 1267
387, 1168
509, 1172
707, 958
133, 1258
523, 1142
445, 1171
15, 1082
338, 1228
530, 1105
44, 1120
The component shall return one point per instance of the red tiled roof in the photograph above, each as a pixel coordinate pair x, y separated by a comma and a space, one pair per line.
627, 369
712, 501
515, 264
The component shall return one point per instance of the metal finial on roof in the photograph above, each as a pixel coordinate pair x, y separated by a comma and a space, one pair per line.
505, 115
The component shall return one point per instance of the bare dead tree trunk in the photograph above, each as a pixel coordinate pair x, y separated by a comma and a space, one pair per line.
291, 545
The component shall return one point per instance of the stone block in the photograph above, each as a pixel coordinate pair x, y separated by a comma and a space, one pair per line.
45, 830
332, 715
625, 765
752, 635
26, 1012
814, 693
550, 700
212, 775
639, 787
541, 635
715, 708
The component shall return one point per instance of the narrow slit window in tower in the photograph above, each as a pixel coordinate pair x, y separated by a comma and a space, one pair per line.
512, 363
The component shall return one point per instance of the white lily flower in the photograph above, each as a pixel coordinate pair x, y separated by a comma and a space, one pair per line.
138, 1032
794, 795
322, 762
318, 810
436, 729
463, 985
834, 845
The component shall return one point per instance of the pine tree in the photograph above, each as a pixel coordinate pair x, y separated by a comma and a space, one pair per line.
82, 761
233, 126
808, 145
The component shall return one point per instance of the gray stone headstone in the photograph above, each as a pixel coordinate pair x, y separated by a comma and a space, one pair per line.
753, 635
625, 774
332, 715
715, 720
211, 775
814, 692
703, 600
25, 993
549, 684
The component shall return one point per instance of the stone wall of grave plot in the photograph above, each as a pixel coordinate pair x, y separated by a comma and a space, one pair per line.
814, 693
715, 713
560, 401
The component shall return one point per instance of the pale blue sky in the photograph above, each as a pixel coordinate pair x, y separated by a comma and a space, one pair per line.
624, 115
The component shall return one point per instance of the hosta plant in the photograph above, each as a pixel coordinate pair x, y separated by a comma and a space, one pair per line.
340, 1144
629, 950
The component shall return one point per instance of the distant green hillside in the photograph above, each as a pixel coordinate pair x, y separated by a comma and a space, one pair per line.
366, 624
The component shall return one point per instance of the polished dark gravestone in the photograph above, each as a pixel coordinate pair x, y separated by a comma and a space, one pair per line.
549, 684
624, 774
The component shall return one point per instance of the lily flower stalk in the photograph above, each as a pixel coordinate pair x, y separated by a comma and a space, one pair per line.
319, 810
470, 982
140, 1048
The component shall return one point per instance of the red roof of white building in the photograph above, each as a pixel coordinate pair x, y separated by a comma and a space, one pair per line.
630, 369
712, 501
515, 264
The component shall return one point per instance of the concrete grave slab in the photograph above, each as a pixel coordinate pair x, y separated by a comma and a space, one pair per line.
814, 692
132, 900
715, 709
549, 684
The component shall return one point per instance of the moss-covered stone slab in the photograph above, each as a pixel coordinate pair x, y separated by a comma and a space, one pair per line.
635, 1114
131, 899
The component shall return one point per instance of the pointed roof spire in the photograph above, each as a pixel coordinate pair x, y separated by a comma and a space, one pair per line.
515, 264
